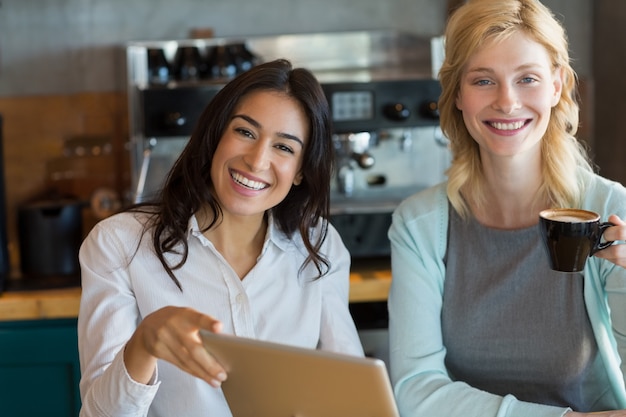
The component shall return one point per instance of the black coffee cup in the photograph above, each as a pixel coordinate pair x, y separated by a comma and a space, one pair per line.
570, 236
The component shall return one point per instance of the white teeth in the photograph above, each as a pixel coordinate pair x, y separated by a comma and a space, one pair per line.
508, 126
253, 185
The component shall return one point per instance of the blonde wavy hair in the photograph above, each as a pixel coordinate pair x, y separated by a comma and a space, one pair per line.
468, 29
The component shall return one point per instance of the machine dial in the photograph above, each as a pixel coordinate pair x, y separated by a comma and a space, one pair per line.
175, 119
430, 110
397, 111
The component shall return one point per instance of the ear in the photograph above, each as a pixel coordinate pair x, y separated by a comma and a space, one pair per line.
558, 86
297, 179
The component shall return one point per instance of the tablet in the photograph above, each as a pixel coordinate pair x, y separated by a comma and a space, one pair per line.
274, 380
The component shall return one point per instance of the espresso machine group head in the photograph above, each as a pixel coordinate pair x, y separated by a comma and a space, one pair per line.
352, 149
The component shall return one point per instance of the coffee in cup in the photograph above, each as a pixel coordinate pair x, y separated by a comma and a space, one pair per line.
570, 236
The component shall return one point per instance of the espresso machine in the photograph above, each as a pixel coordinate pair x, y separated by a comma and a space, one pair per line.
381, 89
389, 145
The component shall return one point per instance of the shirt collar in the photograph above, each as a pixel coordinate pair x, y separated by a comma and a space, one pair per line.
273, 235
276, 236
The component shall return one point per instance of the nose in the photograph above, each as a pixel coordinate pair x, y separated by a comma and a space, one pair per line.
257, 157
507, 99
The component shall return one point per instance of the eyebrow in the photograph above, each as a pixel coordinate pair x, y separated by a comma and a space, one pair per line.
523, 67
258, 125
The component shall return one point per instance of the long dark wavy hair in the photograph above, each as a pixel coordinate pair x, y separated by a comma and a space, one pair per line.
188, 186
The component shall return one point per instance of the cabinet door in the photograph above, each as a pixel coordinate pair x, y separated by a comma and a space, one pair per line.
39, 368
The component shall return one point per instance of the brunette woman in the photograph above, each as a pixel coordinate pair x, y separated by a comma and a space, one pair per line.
237, 242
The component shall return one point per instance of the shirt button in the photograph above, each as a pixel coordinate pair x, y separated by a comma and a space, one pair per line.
239, 298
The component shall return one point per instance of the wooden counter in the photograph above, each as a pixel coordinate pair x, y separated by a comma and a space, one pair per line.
367, 283
370, 282
41, 304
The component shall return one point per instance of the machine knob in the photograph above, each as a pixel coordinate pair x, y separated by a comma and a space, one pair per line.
397, 112
364, 160
175, 119
430, 110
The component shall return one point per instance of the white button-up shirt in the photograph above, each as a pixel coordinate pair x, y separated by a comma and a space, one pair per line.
123, 281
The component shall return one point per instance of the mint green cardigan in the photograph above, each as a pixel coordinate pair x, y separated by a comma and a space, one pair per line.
418, 236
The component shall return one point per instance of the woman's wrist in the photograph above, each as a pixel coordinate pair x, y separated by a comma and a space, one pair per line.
139, 364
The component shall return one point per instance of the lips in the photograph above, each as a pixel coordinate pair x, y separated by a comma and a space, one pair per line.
247, 183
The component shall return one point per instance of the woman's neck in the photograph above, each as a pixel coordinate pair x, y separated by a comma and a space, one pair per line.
512, 198
238, 238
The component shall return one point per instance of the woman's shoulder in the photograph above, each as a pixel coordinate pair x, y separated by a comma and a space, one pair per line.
126, 221
113, 241
422, 221
427, 202
126, 227
604, 195
609, 185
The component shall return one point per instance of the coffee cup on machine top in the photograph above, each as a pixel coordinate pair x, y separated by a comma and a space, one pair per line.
570, 236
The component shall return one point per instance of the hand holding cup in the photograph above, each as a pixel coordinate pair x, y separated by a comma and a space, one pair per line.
616, 253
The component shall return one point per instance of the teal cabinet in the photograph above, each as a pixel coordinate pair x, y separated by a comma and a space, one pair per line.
39, 368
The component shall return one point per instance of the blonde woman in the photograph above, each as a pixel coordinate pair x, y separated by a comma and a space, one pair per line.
480, 326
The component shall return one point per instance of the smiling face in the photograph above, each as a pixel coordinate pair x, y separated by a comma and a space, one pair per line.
506, 95
259, 156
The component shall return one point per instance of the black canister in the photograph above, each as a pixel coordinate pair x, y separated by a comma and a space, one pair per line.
159, 70
188, 65
50, 237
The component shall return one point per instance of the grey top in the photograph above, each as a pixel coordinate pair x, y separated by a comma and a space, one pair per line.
513, 326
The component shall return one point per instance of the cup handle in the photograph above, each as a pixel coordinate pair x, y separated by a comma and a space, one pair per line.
603, 245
